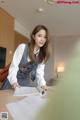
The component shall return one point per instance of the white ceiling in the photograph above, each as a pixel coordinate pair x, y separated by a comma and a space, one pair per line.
60, 19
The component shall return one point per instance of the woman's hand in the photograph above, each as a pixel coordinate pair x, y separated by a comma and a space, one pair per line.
44, 89
14, 85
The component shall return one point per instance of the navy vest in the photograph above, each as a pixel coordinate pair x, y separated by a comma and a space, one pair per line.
27, 70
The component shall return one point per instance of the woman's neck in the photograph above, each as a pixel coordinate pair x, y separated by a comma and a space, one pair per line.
36, 48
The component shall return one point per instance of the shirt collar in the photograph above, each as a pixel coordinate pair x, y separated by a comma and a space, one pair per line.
37, 51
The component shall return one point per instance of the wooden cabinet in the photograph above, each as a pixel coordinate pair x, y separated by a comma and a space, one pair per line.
7, 34
19, 38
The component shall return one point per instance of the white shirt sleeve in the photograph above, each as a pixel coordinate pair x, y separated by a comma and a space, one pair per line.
12, 76
40, 74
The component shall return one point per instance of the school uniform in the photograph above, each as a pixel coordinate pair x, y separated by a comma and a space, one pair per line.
23, 71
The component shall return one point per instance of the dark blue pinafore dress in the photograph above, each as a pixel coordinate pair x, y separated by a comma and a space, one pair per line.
26, 74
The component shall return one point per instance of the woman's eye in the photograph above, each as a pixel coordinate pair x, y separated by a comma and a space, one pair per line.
42, 36
39, 35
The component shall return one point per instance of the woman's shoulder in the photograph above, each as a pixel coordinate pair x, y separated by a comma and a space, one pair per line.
22, 45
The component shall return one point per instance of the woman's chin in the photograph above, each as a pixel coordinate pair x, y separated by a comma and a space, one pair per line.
41, 45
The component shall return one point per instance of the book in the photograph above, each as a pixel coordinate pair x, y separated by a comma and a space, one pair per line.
26, 91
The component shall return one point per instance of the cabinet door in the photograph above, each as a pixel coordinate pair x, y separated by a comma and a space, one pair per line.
7, 34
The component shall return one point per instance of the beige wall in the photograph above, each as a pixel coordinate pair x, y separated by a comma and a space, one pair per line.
63, 48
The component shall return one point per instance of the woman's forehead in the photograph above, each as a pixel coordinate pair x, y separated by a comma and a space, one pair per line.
42, 31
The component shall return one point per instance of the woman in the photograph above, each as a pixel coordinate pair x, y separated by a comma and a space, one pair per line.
29, 61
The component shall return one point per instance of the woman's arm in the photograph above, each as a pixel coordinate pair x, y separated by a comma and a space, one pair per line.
40, 75
12, 76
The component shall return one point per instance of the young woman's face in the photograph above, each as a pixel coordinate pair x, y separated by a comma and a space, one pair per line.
40, 38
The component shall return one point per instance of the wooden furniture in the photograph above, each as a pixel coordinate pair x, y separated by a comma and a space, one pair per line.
7, 34
19, 38
9, 38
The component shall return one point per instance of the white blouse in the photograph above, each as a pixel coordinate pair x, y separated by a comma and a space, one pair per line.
12, 76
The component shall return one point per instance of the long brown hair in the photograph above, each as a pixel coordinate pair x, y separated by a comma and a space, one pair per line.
44, 51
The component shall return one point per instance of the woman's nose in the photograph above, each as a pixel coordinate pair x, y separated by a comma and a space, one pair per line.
42, 39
